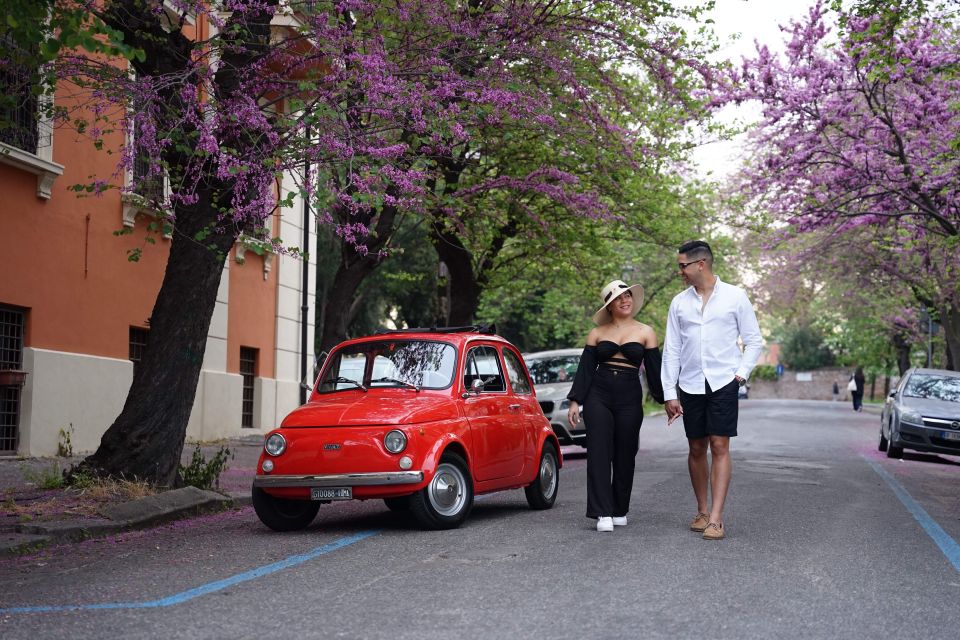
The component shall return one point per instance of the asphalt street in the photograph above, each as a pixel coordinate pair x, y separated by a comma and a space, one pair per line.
827, 538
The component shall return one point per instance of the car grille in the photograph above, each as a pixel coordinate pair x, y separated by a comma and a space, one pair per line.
546, 406
939, 423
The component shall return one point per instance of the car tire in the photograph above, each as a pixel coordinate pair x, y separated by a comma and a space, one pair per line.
542, 492
283, 514
892, 450
447, 499
398, 504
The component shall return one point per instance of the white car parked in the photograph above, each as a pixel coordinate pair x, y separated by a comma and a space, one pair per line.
553, 373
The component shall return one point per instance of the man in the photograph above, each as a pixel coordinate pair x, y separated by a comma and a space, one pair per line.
701, 372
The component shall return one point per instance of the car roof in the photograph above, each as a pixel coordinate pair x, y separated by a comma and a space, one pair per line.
936, 372
456, 336
552, 353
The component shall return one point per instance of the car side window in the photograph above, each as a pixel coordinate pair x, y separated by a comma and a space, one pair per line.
515, 372
483, 364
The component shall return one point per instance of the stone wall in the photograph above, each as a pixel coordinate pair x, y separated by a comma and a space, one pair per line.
815, 385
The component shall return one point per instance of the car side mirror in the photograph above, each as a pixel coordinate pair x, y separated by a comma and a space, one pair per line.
893, 394
477, 385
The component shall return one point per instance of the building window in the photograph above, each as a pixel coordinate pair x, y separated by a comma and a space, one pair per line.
138, 342
248, 370
19, 105
11, 377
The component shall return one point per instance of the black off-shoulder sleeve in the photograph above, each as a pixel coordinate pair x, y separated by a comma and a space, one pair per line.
651, 364
584, 377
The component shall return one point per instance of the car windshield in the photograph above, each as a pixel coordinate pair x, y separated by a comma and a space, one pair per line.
926, 385
554, 369
415, 364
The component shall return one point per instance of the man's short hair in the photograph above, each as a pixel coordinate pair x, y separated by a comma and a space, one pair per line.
697, 250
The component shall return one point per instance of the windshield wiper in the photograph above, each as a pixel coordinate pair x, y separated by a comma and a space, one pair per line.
341, 379
415, 387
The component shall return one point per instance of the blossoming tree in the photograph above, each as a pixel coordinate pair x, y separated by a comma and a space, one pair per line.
857, 146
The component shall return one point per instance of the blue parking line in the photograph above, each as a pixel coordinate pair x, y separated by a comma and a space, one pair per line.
947, 545
204, 589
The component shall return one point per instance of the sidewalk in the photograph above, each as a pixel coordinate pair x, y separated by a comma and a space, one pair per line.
33, 516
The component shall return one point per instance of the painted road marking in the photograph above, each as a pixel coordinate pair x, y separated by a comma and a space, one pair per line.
947, 545
204, 589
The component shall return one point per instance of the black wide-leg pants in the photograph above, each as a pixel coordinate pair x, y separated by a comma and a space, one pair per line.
612, 413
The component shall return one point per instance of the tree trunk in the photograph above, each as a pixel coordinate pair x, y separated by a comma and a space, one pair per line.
902, 348
146, 440
339, 302
950, 321
464, 288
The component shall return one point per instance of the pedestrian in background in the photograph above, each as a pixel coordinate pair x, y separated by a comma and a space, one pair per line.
836, 390
607, 384
702, 370
856, 390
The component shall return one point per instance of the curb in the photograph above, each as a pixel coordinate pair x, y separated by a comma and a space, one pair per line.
137, 514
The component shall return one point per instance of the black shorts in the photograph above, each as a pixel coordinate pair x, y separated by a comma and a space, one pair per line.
713, 413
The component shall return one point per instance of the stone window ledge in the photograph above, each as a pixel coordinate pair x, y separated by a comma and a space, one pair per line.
45, 170
134, 205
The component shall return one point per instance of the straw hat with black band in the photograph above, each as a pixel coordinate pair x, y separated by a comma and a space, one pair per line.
610, 293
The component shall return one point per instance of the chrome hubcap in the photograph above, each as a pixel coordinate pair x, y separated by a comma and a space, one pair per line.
447, 491
548, 476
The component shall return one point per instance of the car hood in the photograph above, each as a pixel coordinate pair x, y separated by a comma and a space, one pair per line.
553, 391
355, 408
931, 407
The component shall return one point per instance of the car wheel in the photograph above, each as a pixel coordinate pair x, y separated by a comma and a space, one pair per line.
398, 504
542, 492
446, 501
892, 450
283, 514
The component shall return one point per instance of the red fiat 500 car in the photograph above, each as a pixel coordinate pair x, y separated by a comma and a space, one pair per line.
423, 419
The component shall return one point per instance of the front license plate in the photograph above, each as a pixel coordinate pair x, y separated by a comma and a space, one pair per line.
331, 493
950, 435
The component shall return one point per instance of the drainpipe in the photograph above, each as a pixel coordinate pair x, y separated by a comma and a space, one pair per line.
305, 282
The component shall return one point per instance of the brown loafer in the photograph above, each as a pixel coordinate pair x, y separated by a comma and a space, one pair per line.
700, 522
714, 531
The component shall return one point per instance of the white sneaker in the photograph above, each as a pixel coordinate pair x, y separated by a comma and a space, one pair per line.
620, 521
604, 524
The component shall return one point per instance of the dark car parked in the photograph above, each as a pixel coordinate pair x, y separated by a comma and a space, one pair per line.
922, 413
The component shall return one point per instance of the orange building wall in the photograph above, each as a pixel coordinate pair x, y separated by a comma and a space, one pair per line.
253, 313
73, 274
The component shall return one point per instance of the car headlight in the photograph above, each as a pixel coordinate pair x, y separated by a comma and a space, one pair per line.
565, 404
395, 441
275, 444
909, 415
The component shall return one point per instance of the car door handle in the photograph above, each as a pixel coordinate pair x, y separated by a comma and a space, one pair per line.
514, 407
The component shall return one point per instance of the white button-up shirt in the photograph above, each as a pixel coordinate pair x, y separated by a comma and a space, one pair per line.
701, 340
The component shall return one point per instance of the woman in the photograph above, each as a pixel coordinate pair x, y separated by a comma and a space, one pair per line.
858, 379
607, 384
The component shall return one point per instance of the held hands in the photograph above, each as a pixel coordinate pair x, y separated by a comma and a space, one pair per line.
673, 409
573, 413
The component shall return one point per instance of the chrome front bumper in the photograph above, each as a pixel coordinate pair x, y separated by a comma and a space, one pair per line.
339, 479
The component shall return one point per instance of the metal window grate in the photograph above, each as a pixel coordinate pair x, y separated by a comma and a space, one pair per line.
248, 369
138, 342
19, 106
11, 358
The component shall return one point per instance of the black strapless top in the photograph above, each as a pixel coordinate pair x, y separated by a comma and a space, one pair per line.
632, 351
604, 351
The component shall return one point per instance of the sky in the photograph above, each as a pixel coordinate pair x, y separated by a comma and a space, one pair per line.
754, 20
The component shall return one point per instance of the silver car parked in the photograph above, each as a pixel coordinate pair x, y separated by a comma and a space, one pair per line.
553, 373
922, 413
